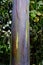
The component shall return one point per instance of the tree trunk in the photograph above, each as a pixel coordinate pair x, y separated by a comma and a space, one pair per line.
20, 33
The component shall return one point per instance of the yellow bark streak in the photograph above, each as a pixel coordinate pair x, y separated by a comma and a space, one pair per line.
17, 40
27, 27
17, 47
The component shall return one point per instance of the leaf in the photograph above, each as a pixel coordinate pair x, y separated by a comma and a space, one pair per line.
39, 14
36, 19
33, 13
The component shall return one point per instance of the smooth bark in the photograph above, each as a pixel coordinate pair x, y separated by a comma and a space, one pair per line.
20, 33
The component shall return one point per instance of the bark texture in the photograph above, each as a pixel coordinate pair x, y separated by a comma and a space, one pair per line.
20, 33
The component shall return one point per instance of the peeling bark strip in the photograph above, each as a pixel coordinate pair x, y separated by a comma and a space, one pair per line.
20, 33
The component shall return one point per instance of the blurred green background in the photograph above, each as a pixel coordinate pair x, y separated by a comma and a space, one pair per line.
36, 31
5, 30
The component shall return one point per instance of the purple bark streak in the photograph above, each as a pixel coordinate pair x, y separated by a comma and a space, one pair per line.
19, 25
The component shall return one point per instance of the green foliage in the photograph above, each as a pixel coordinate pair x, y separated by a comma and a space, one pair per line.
36, 32
5, 30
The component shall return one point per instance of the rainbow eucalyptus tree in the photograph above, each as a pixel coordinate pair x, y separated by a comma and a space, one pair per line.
20, 33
